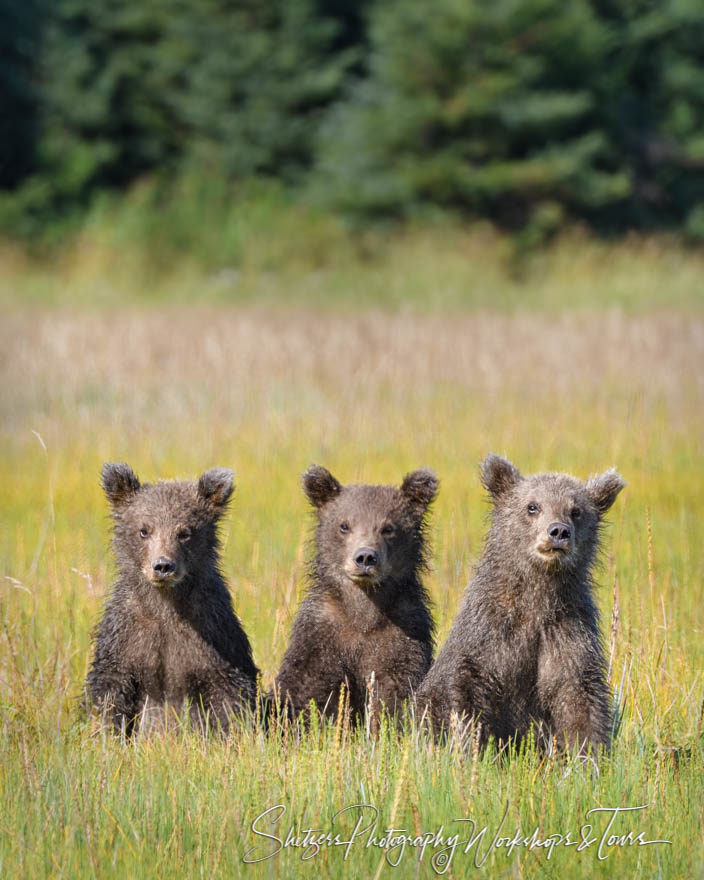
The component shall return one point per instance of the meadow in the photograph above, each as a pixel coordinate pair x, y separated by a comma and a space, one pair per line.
420, 348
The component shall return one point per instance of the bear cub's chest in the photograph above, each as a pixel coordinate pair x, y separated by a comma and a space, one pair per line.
171, 656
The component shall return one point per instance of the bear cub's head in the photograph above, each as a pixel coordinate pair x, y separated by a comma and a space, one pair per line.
166, 531
368, 535
549, 520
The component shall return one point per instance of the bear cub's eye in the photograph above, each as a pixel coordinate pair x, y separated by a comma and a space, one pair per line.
576, 513
344, 527
387, 530
184, 535
144, 532
532, 508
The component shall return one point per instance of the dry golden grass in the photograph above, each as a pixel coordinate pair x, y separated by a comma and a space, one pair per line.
144, 364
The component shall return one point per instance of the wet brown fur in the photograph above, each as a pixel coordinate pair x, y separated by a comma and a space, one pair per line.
355, 630
525, 647
164, 643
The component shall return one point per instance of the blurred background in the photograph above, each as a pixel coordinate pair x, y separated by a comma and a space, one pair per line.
226, 135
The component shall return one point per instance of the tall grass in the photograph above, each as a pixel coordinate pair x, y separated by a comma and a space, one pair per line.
194, 239
370, 395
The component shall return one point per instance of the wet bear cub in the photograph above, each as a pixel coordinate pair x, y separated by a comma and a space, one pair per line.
169, 635
525, 646
365, 621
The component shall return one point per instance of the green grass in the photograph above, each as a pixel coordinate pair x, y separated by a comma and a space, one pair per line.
176, 389
197, 241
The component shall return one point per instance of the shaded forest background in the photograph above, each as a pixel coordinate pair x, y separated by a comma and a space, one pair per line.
529, 113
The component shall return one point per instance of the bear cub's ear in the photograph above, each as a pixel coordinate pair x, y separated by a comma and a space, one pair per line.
603, 489
319, 485
498, 475
420, 487
119, 482
216, 487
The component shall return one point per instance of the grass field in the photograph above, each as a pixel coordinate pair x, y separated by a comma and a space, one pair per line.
548, 373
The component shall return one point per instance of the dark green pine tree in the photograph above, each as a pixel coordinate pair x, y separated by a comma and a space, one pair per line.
522, 111
20, 35
129, 87
653, 107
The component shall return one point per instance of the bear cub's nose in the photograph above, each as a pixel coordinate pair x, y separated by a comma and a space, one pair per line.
559, 534
365, 558
163, 567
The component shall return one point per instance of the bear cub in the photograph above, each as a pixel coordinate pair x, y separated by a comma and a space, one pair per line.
525, 647
169, 635
365, 621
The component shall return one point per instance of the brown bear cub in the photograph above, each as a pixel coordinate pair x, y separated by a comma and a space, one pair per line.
168, 635
525, 647
365, 621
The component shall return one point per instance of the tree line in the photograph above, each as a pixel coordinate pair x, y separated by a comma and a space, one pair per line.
526, 112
